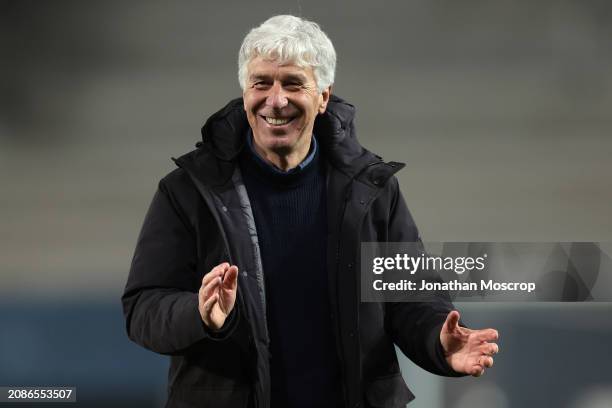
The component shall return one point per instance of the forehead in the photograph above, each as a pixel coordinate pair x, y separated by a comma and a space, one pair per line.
260, 67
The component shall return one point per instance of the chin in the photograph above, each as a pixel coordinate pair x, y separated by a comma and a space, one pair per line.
281, 149
284, 141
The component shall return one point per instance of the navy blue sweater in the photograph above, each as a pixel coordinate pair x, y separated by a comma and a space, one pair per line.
291, 219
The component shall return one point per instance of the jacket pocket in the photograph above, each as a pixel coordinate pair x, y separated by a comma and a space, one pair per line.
388, 392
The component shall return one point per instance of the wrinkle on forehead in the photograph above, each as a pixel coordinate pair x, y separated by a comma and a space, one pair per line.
291, 71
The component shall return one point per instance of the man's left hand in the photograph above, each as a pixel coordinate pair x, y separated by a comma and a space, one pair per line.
467, 351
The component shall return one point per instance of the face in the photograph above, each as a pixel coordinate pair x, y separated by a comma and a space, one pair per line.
281, 103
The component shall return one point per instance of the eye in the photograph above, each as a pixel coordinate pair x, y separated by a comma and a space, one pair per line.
261, 85
293, 86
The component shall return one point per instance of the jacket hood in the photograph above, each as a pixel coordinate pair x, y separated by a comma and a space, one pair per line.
223, 136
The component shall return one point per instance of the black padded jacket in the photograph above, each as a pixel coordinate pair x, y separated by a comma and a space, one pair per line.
200, 216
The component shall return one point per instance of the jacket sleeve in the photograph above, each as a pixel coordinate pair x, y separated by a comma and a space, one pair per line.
415, 326
160, 302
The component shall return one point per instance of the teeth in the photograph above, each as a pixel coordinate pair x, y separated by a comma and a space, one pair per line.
275, 121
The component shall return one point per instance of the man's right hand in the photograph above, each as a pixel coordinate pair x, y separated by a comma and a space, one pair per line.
217, 295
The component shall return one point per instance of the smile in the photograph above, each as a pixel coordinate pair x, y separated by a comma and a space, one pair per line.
277, 121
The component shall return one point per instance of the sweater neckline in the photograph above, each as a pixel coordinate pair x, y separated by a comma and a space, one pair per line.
270, 175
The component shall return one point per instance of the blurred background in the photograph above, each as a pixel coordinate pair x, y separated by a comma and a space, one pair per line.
501, 110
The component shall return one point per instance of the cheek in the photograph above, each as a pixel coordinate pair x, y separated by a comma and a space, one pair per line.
251, 101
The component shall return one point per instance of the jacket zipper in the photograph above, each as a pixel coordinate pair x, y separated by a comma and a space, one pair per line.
347, 197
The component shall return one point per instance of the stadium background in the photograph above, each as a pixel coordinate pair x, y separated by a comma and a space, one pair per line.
501, 110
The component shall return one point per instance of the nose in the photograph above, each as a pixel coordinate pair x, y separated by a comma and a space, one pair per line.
276, 98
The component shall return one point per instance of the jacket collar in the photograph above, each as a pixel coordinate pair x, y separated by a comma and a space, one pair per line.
223, 138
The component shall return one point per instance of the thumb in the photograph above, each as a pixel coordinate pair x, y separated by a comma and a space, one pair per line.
230, 278
452, 321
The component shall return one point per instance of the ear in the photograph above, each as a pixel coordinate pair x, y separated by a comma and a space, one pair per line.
324, 99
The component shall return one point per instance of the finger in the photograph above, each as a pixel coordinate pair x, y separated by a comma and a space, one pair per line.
477, 371
484, 361
211, 287
208, 305
210, 276
214, 272
486, 335
452, 320
230, 280
494, 349
487, 361
489, 349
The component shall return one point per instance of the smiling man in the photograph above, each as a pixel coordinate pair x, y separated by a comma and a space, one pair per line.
281, 102
246, 268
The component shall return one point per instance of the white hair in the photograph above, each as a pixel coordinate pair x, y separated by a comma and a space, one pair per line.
290, 40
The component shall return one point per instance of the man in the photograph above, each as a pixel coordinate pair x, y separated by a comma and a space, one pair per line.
246, 268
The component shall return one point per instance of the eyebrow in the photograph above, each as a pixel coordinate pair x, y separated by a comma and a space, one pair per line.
288, 77
257, 77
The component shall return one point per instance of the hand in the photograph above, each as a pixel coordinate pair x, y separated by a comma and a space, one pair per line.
217, 295
467, 351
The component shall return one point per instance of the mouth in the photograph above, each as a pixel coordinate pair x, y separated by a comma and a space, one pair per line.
276, 121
